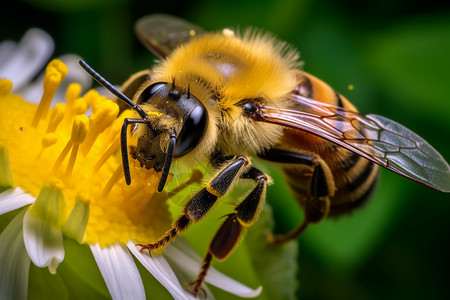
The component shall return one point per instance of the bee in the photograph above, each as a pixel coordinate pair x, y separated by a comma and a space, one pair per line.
226, 98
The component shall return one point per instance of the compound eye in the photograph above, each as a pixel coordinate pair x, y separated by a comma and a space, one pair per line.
193, 130
150, 91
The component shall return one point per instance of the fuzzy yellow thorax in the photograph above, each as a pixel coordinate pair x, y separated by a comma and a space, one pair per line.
235, 67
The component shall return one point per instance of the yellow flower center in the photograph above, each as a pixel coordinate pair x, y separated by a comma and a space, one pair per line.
63, 152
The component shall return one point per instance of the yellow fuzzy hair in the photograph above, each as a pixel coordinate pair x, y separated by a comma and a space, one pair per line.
262, 66
228, 69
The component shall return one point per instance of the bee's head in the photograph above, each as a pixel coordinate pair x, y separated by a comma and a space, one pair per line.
172, 122
173, 116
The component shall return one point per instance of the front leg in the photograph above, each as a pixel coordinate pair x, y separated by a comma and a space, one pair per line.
202, 202
228, 236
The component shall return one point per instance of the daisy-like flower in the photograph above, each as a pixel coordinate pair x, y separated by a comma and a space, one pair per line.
60, 173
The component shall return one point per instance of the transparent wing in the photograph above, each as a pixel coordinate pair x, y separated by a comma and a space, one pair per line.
161, 34
374, 137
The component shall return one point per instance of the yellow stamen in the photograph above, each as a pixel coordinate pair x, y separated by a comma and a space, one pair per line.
113, 134
72, 159
54, 74
48, 140
56, 116
79, 131
80, 106
114, 130
103, 115
93, 98
63, 155
5, 87
72, 93
118, 173
111, 150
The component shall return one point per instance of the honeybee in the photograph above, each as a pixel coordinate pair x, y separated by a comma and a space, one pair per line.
227, 98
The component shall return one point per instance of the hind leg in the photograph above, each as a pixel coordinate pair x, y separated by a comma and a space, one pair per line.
316, 199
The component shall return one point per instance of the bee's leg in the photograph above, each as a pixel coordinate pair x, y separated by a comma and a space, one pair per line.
315, 196
201, 203
244, 215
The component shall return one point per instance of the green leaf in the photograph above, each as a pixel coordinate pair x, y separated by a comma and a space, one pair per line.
344, 243
81, 274
275, 265
43, 285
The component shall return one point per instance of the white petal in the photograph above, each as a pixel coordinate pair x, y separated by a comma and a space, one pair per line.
119, 272
44, 242
161, 270
33, 92
186, 259
29, 58
14, 261
7, 49
13, 199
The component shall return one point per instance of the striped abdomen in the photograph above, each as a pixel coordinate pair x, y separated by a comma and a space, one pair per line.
354, 177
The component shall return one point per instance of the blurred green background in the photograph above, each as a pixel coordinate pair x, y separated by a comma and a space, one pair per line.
396, 54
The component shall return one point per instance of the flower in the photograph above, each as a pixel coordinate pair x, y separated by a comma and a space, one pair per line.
61, 175
21, 62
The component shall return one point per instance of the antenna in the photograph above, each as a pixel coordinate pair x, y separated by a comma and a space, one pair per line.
123, 133
103, 82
